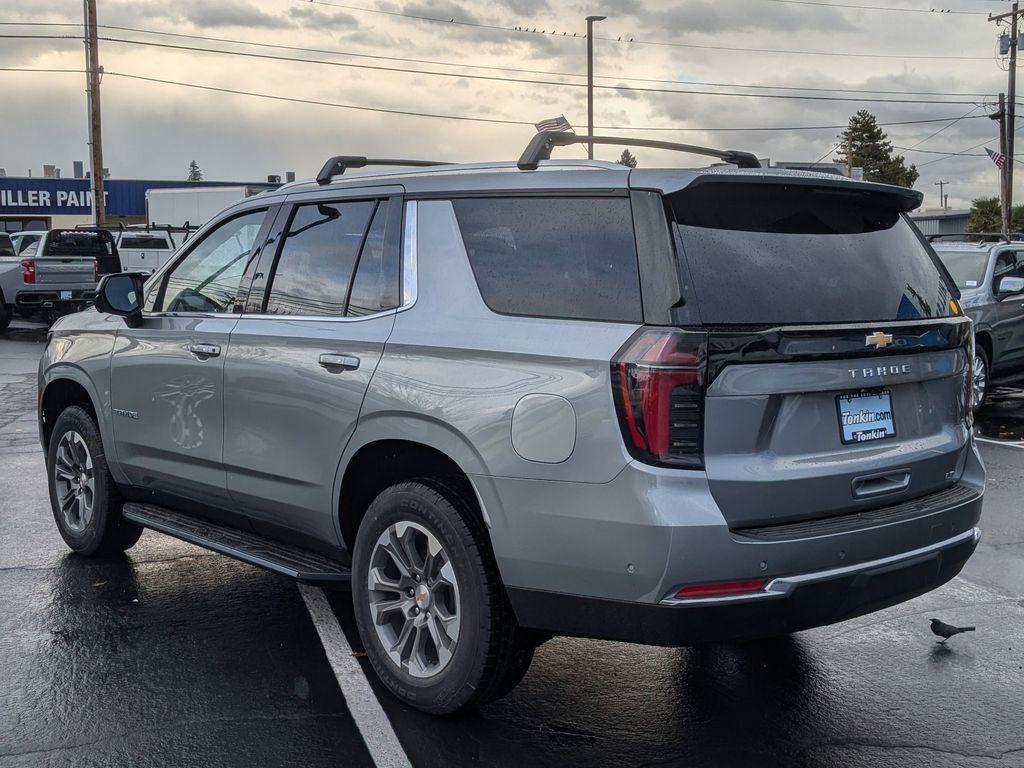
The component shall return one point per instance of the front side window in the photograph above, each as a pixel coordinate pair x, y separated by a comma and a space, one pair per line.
318, 257
208, 277
565, 257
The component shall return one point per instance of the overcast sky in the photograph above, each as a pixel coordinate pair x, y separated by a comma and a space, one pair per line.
153, 130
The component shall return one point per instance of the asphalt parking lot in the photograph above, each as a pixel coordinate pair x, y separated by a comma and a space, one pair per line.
175, 656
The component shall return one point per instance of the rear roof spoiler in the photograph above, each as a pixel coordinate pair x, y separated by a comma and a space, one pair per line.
891, 196
543, 143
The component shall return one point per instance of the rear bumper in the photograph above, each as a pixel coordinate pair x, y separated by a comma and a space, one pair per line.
36, 301
788, 604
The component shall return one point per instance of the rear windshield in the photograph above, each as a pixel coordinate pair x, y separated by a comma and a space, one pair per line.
967, 268
144, 243
79, 243
787, 254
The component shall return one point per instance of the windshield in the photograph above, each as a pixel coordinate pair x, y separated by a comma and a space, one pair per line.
966, 267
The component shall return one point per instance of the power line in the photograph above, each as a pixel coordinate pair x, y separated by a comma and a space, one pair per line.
931, 11
943, 128
633, 41
433, 62
526, 81
676, 129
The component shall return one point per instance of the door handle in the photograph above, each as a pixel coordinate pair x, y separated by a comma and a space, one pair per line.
204, 351
335, 363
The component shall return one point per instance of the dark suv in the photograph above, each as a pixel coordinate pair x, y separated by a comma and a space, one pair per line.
990, 275
511, 400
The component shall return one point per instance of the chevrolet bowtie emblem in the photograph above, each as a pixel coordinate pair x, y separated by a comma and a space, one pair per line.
878, 340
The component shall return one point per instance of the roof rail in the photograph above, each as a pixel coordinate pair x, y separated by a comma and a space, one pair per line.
982, 236
541, 145
340, 163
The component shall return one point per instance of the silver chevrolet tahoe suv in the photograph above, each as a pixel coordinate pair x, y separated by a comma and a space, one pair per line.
508, 401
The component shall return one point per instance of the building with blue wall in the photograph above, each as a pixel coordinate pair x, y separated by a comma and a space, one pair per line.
42, 203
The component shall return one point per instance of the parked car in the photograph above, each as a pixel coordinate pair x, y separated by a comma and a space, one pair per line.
508, 401
990, 276
54, 273
146, 250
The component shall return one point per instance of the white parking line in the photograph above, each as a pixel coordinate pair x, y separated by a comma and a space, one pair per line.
380, 738
1007, 443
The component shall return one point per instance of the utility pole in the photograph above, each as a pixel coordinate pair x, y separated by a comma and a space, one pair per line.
849, 157
93, 69
1011, 106
942, 189
590, 81
1000, 117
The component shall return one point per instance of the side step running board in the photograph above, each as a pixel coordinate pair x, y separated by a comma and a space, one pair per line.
300, 564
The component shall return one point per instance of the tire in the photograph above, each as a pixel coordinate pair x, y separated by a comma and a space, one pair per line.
76, 470
482, 654
5, 314
981, 359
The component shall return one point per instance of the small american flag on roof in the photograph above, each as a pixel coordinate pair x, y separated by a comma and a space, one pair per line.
997, 157
554, 124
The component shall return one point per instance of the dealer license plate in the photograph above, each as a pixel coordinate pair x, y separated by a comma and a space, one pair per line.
65, 295
865, 416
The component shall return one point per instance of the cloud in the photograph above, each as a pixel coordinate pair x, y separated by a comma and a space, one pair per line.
715, 17
233, 13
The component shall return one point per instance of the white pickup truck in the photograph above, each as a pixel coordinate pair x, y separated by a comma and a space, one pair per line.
53, 273
146, 250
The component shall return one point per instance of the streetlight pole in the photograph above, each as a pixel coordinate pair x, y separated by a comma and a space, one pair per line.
590, 81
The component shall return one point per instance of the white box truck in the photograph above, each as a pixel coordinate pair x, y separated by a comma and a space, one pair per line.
191, 206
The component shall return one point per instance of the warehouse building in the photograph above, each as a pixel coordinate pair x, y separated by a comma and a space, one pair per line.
941, 222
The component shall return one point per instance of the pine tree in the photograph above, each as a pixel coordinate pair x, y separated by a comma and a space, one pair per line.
194, 173
627, 159
872, 151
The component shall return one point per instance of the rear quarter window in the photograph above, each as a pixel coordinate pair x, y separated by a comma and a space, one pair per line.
144, 243
788, 254
563, 257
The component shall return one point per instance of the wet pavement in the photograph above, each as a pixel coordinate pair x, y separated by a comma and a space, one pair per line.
172, 655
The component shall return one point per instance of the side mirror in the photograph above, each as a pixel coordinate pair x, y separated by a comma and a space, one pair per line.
1009, 286
121, 294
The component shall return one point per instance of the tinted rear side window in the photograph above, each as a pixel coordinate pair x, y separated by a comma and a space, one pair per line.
317, 259
553, 257
375, 286
778, 254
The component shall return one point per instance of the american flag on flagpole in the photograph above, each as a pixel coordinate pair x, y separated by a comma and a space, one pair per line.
554, 124
997, 157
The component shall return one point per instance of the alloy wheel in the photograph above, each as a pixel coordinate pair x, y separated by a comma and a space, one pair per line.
980, 374
414, 599
74, 481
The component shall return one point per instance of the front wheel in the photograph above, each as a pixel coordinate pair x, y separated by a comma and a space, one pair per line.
980, 378
85, 501
431, 610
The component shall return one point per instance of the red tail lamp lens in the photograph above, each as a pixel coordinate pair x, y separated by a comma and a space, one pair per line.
29, 275
723, 588
658, 384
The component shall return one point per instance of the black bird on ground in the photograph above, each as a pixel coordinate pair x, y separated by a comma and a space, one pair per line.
946, 631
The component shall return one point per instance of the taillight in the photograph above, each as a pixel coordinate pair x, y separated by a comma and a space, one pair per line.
29, 275
658, 384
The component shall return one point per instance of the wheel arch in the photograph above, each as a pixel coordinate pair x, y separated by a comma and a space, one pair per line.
63, 387
375, 460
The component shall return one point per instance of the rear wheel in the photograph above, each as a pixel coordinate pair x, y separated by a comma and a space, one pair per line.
85, 501
980, 375
431, 610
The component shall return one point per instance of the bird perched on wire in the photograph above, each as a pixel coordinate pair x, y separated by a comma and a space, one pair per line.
946, 631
